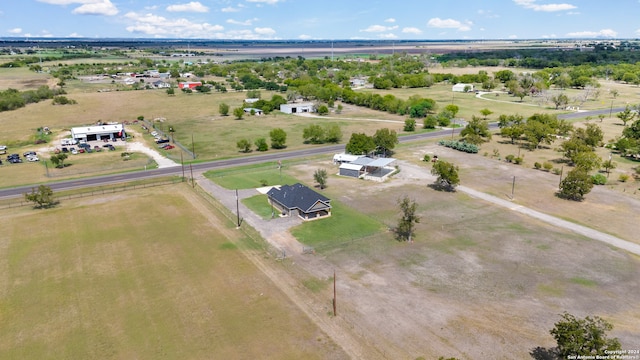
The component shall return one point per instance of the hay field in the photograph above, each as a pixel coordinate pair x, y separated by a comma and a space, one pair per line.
143, 274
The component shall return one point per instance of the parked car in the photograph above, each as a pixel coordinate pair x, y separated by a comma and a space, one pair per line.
28, 153
65, 149
84, 145
13, 156
3, 147
2, 152
14, 160
0, 162
154, 133
112, 148
162, 141
74, 151
81, 150
97, 148
169, 147
32, 158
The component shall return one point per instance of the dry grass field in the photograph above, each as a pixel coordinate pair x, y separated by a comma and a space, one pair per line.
478, 282
144, 274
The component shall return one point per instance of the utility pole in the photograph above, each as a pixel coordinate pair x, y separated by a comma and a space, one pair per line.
560, 182
334, 294
513, 187
193, 147
182, 162
238, 208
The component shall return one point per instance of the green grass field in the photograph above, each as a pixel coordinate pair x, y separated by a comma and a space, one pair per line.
145, 275
250, 177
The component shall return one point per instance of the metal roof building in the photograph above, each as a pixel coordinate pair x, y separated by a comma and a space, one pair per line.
98, 132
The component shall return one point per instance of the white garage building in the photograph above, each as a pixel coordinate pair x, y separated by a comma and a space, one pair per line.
296, 108
98, 132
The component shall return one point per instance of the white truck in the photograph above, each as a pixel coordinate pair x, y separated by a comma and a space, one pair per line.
68, 141
343, 157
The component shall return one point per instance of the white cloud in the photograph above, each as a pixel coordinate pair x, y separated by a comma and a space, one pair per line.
390, 20
15, 31
248, 22
74, 35
270, 2
607, 33
531, 4
551, 36
304, 37
154, 25
638, 31
379, 28
488, 14
411, 30
264, 31
513, 36
87, 7
194, 6
449, 24
230, 9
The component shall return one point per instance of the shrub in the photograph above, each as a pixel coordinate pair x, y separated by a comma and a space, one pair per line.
263, 182
426, 158
623, 177
509, 158
547, 166
556, 171
460, 146
518, 160
537, 165
599, 179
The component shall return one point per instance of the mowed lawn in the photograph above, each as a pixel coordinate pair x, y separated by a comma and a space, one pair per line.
141, 275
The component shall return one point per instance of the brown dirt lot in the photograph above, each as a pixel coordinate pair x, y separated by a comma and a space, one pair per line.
479, 281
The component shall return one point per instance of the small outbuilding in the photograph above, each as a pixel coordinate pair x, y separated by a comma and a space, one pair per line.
189, 85
462, 87
301, 200
296, 108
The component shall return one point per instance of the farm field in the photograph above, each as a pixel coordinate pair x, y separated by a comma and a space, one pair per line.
159, 279
477, 282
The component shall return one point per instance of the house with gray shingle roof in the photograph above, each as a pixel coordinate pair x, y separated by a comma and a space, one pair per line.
301, 200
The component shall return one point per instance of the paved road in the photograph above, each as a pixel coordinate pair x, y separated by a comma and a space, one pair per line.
255, 159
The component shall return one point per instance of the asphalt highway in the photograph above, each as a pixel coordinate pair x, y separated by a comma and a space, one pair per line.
248, 160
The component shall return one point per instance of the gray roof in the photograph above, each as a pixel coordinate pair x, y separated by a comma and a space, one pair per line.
362, 161
381, 162
297, 196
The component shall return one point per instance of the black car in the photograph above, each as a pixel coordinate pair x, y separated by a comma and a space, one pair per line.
29, 153
65, 150
13, 156
85, 146
15, 160
162, 141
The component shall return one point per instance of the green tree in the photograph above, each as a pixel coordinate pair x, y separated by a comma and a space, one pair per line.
244, 145
410, 125
320, 176
278, 138
333, 133
223, 108
42, 197
540, 128
447, 174
323, 110
360, 144
560, 100
58, 160
261, 144
476, 132
238, 113
453, 109
576, 185
385, 140
587, 160
485, 113
626, 115
406, 224
586, 336
511, 126
609, 165
313, 134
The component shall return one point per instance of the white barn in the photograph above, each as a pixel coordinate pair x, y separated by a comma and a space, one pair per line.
460, 87
296, 108
98, 132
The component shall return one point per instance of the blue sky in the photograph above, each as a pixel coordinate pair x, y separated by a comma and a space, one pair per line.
322, 19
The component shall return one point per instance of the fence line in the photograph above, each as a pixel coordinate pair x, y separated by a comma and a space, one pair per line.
94, 193
173, 140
